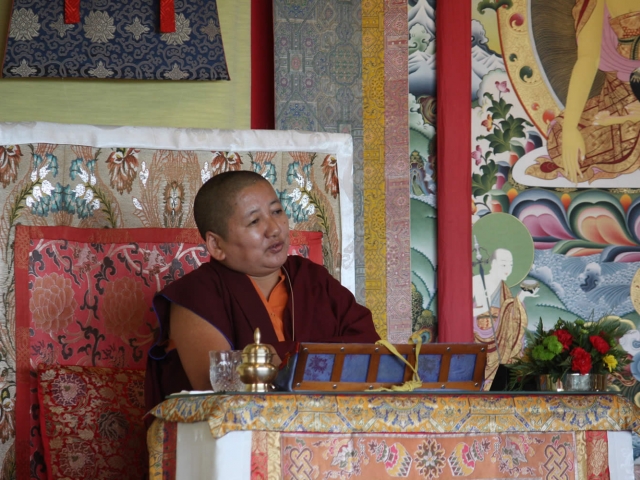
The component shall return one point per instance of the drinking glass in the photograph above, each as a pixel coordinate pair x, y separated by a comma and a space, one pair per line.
222, 370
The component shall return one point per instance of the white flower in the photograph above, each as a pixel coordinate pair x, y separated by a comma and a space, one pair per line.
311, 209
300, 180
24, 70
205, 173
630, 341
144, 174
304, 201
48, 374
37, 193
79, 190
34, 175
93, 180
175, 73
95, 205
101, 71
98, 27
136, 28
89, 195
309, 185
30, 202
47, 188
84, 175
296, 194
137, 204
24, 25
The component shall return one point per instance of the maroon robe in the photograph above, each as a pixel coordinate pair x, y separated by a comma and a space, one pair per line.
325, 311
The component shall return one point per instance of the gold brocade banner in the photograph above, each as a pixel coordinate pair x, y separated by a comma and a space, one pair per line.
375, 237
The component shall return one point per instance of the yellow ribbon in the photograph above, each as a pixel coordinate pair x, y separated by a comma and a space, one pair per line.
415, 382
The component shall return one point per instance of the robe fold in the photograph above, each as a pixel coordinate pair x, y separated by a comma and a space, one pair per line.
323, 311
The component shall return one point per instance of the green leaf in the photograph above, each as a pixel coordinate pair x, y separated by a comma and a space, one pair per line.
75, 169
493, 5
497, 141
482, 183
515, 126
517, 149
499, 109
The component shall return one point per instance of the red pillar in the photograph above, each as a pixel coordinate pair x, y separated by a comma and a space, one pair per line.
262, 71
453, 50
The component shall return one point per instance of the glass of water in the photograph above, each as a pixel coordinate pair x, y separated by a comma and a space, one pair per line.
222, 370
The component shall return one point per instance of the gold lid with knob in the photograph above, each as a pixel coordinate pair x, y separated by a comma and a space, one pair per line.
256, 352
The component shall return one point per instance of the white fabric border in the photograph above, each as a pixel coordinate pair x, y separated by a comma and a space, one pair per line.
216, 140
620, 455
201, 457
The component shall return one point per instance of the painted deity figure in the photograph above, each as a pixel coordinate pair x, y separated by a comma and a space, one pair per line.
499, 319
596, 138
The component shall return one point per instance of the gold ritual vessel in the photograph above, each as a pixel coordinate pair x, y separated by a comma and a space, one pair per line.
256, 370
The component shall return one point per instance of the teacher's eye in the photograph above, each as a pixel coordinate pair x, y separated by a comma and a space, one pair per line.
254, 222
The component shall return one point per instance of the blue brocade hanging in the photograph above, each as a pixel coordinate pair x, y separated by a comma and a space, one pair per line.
115, 39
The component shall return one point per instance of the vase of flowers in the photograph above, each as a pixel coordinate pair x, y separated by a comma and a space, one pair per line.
572, 356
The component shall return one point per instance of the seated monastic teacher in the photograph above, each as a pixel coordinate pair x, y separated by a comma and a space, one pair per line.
249, 283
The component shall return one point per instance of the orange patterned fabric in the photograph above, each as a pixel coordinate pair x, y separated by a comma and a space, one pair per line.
431, 456
91, 421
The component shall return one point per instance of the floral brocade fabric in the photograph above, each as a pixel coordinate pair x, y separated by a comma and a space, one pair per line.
92, 422
115, 39
86, 295
106, 192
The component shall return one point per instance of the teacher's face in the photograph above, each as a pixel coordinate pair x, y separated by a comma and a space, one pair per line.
257, 239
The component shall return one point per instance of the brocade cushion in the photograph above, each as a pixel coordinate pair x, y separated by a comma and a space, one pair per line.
91, 422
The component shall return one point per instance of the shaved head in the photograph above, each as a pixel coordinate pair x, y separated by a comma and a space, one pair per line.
216, 200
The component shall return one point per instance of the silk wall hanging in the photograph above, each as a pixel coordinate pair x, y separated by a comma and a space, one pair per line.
139, 39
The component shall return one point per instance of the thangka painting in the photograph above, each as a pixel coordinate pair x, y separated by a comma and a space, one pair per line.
555, 154
422, 154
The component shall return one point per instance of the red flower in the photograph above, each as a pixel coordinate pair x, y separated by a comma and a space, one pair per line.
123, 168
564, 337
599, 344
9, 162
581, 361
330, 171
225, 162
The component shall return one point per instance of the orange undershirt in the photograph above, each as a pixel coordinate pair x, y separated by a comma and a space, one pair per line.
275, 304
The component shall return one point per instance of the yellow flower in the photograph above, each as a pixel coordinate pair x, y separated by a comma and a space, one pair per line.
610, 362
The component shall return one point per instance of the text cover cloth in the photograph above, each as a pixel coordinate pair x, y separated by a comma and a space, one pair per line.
115, 39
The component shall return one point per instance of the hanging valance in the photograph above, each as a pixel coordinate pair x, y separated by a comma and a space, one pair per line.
141, 39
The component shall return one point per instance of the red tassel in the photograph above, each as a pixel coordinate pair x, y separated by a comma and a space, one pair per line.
71, 11
167, 16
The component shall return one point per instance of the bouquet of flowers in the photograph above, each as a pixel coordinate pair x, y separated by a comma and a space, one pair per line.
571, 347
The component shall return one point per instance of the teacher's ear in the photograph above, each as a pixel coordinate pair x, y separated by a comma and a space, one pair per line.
214, 243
